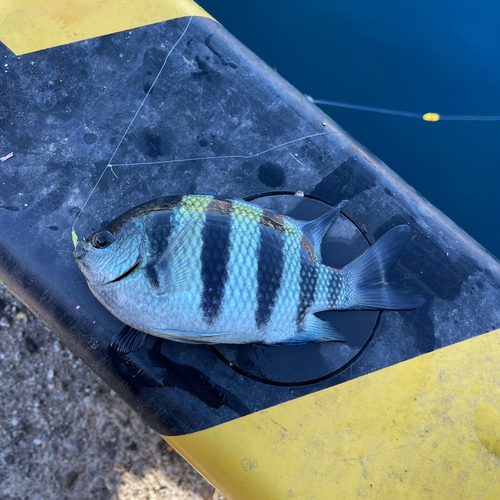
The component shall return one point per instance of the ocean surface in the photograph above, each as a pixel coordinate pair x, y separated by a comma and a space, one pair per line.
416, 56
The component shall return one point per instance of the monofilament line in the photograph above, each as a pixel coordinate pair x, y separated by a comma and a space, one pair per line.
224, 157
428, 117
133, 119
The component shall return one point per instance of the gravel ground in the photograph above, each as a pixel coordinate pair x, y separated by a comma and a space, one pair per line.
65, 434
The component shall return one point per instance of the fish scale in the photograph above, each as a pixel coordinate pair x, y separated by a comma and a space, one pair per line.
269, 274
214, 257
323, 295
283, 316
241, 287
201, 268
336, 285
308, 278
191, 210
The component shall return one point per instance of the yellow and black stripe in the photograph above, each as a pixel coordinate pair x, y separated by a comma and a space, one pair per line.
426, 428
30, 26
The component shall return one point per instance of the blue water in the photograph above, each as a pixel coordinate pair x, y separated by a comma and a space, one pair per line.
419, 56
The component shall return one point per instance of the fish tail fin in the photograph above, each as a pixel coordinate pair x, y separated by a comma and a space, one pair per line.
368, 274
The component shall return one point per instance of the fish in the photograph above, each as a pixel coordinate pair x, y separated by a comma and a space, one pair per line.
219, 270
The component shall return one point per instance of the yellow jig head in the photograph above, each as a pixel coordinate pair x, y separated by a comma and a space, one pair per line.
74, 237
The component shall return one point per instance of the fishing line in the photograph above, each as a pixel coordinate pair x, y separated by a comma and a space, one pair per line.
225, 157
428, 117
110, 165
73, 233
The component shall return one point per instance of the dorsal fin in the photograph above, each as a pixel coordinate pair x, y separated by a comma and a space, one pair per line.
316, 229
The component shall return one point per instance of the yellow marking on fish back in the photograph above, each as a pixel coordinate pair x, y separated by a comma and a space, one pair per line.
291, 229
195, 202
191, 207
248, 211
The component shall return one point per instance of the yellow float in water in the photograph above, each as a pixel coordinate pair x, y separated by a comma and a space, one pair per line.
431, 117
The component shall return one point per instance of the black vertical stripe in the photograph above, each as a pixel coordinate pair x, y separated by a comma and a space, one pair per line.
214, 259
158, 231
333, 288
269, 272
308, 279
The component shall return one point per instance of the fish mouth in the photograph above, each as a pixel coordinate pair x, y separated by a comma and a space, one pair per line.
127, 273
80, 251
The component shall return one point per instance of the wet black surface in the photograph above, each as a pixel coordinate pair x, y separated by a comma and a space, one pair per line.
217, 121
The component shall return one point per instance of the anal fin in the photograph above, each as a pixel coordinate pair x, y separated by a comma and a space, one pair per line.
316, 330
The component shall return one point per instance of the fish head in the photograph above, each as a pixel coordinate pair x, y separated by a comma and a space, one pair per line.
111, 253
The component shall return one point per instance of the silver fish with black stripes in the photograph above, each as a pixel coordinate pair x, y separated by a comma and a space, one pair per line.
216, 270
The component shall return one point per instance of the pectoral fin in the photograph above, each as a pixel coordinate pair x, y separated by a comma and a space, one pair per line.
177, 267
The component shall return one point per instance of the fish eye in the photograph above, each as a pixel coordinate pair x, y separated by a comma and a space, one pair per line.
102, 239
